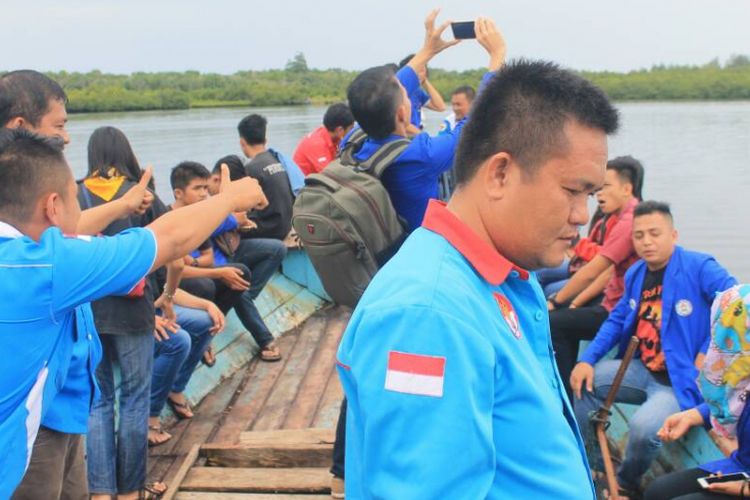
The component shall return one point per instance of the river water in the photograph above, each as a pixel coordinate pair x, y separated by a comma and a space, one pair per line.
696, 157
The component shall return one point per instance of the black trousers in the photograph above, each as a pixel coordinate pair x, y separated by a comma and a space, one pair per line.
339, 446
569, 327
681, 485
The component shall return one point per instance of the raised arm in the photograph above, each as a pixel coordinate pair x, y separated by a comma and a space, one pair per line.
180, 231
436, 102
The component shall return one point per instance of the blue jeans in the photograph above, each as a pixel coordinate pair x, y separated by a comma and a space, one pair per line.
176, 358
553, 279
640, 386
117, 454
262, 256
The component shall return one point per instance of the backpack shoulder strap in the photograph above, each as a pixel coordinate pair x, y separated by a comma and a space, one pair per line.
384, 157
346, 155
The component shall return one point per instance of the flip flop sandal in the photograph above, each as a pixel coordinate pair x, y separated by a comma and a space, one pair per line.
152, 491
180, 409
270, 353
158, 429
209, 358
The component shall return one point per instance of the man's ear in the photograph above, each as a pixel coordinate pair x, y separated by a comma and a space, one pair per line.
17, 122
401, 115
51, 207
495, 174
177, 192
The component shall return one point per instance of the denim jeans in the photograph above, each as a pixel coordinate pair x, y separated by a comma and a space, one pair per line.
653, 392
117, 453
553, 279
176, 358
263, 256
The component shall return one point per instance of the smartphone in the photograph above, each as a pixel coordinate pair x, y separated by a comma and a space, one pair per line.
463, 30
725, 478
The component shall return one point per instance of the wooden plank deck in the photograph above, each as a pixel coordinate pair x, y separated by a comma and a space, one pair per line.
298, 392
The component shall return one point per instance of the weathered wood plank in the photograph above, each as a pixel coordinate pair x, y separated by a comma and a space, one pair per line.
296, 480
249, 402
303, 409
274, 412
196, 495
327, 413
185, 466
297, 436
278, 455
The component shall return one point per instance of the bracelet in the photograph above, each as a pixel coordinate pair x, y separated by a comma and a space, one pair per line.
168, 296
195, 262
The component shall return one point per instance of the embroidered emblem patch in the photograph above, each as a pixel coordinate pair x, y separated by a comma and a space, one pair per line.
415, 374
632, 304
509, 314
684, 307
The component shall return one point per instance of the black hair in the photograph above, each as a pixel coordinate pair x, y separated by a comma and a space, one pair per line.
466, 90
374, 96
109, 148
338, 115
183, 174
629, 170
523, 110
252, 128
403, 62
236, 167
27, 93
653, 207
31, 166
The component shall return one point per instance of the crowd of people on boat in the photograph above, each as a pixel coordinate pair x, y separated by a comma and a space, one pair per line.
462, 364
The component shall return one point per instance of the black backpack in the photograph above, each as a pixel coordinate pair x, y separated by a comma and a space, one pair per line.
346, 221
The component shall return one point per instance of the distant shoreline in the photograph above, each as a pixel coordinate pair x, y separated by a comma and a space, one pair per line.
100, 92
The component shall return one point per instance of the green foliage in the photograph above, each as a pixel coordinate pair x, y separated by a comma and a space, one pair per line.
298, 84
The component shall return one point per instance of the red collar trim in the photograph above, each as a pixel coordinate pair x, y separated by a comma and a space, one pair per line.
484, 258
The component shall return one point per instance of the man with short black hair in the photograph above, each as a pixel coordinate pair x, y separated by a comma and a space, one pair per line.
461, 100
380, 103
236, 275
267, 167
48, 328
580, 307
447, 362
31, 100
666, 304
318, 148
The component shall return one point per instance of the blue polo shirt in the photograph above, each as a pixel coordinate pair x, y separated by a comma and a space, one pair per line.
691, 282
451, 382
412, 179
47, 331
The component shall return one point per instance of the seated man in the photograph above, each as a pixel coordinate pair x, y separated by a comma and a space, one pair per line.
575, 311
318, 148
275, 221
228, 284
666, 304
461, 100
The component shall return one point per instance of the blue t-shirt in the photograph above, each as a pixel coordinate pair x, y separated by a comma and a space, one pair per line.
47, 331
451, 381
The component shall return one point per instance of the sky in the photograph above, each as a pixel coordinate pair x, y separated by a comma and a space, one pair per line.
225, 36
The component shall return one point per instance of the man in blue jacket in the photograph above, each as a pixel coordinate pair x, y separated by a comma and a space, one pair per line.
666, 304
380, 104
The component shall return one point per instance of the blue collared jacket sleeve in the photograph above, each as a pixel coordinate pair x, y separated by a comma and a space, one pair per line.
611, 332
403, 445
714, 279
409, 79
89, 268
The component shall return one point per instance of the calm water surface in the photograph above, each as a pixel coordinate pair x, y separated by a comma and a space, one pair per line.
696, 157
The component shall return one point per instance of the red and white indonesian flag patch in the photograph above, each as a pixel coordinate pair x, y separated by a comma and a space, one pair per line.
415, 374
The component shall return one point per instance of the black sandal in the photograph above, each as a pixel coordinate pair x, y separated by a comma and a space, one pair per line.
180, 409
153, 491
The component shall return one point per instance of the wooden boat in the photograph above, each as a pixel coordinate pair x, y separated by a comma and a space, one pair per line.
265, 430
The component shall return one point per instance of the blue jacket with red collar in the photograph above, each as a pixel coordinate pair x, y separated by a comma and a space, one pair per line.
691, 281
